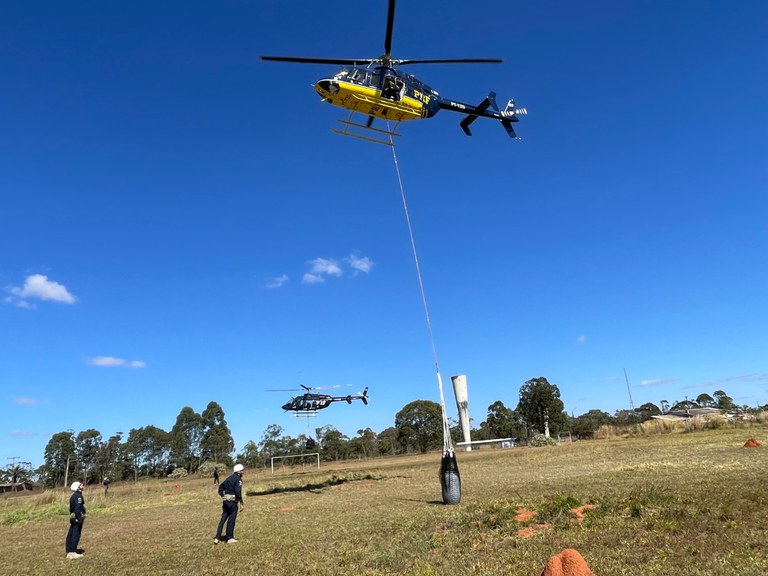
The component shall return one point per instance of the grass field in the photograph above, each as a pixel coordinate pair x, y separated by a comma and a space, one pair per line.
674, 504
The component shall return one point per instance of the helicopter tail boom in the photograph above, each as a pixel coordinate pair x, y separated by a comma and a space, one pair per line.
506, 116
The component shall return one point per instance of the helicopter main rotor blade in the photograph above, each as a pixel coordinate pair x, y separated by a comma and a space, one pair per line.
340, 61
390, 25
450, 61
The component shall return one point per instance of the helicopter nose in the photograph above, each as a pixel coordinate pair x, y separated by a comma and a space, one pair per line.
287, 406
328, 86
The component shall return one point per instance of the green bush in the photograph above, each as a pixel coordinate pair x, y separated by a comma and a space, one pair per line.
206, 469
541, 440
178, 473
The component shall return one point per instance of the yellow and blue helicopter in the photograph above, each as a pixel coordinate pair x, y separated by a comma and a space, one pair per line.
376, 88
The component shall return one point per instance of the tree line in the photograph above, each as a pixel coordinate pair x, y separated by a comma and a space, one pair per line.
196, 438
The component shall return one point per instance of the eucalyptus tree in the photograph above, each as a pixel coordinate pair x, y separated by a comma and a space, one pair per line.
333, 444
216, 443
501, 421
540, 406
149, 448
419, 426
366, 442
185, 438
249, 457
705, 400
59, 455
388, 444
273, 443
110, 458
723, 401
648, 411
88, 444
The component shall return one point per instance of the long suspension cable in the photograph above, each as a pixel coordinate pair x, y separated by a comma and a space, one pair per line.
447, 444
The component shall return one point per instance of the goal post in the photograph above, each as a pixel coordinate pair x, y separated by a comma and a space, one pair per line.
316, 454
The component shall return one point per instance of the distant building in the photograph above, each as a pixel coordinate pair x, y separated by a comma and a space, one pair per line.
689, 413
18, 487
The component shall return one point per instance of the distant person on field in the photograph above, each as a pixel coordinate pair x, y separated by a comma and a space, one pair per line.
106, 482
216, 475
231, 492
76, 520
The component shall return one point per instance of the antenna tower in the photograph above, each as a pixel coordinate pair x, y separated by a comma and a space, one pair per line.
626, 378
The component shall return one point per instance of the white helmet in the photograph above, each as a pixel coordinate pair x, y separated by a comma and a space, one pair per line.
238, 468
75, 486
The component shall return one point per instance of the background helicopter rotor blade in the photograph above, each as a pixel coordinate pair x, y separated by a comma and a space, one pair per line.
450, 61
390, 26
301, 60
307, 388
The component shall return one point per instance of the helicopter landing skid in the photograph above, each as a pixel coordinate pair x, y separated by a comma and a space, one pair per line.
350, 128
304, 413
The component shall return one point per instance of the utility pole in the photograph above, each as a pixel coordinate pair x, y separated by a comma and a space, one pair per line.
13, 468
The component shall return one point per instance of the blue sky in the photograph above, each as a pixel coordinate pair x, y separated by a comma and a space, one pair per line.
179, 224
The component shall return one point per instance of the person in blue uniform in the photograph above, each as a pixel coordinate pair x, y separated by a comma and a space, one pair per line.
231, 492
76, 520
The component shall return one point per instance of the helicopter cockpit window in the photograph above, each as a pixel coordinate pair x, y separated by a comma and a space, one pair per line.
357, 76
342, 73
392, 88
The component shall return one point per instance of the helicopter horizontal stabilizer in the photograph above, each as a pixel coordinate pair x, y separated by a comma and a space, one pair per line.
489, 100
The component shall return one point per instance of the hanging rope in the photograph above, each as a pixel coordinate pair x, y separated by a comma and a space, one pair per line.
449, 468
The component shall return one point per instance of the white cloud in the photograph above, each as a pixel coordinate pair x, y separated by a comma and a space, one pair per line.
19, 433
319, 268
325, 266
360, 264
658, 381
39, 287
26, 401
110, 361
277, 282
312, 279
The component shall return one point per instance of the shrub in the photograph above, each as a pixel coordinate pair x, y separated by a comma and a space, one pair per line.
541, 440
178, 473
206, 469
654, 427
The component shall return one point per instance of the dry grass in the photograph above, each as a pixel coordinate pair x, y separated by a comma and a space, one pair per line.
689, 504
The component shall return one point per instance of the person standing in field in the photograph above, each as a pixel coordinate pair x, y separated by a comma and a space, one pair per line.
76, 520
216, 475
106, 482
231, 492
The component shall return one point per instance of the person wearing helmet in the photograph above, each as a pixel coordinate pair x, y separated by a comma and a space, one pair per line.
76, 520
231, 492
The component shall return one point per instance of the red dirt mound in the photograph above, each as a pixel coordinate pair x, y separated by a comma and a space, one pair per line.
524, 515
567, 563
752, 443
579, 511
